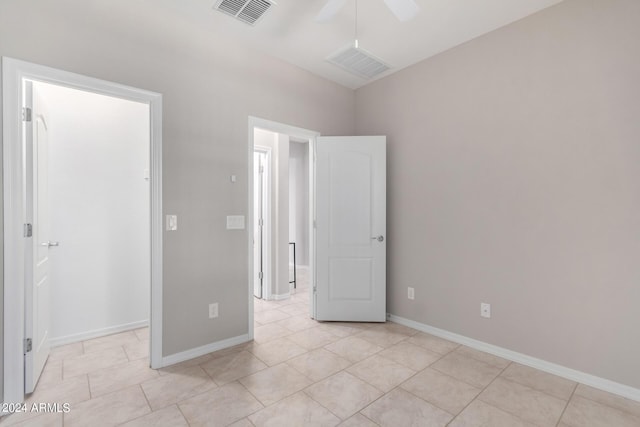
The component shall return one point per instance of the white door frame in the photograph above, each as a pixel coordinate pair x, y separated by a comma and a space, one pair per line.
298, 133
266, 216
14, 72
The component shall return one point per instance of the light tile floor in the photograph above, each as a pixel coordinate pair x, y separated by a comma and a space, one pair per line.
299, 372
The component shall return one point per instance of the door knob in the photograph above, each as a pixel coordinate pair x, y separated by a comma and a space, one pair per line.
49, 244
379, 238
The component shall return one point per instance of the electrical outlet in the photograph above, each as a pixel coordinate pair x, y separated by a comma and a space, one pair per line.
485, 310
411, 293
213, 310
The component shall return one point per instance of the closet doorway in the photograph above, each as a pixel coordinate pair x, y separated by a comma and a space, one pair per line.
35, 97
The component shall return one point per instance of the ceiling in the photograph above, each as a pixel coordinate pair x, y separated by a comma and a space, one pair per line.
288, 30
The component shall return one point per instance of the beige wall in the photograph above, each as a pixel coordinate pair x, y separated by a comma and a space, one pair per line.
514, 179
209, 92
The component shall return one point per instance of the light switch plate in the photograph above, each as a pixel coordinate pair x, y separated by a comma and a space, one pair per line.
213, 310
172, 222
235, 222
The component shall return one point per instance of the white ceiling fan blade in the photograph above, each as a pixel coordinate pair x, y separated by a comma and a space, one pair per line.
329, 10
403, 9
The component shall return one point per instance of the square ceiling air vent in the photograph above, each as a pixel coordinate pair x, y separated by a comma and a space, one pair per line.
359, 62
247, 11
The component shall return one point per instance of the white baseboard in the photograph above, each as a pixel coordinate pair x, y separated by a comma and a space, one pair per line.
205, 349
552, 368
82, 336
280, 297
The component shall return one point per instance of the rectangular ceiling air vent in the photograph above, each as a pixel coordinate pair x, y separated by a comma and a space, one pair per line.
247, 11
359, 62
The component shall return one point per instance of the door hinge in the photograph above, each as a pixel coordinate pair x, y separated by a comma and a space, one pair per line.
28, 345
261, 222
26, 114
261, 169
28, 230
315, 224
260, 275
315, 289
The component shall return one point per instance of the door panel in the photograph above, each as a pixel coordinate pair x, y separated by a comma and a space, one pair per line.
350, 215
38, 292
350, 198
350, 279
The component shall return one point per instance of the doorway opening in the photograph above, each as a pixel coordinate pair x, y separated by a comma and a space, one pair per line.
83, 222
299, 215
91, 207
281, 264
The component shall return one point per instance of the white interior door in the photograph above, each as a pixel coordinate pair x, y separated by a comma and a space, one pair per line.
258, 215
351, 229
38, 286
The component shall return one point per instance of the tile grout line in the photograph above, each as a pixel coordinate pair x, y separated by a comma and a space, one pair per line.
207, 373
182, 413
625, 411
465, 381
125, 353
146, 398
382, 391
316, 382
254, 396
399, 386
567, 404
517, 381
360, 412
405, 339
520, 384
349, 360
319, 403
453, 416
91, 396
478, 395
151, 411
208, 391
285, 365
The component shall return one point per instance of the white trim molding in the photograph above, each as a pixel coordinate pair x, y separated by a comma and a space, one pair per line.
14, 214
69, 339
266, 265
205, 349
552, 368
14, 73
281, 297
